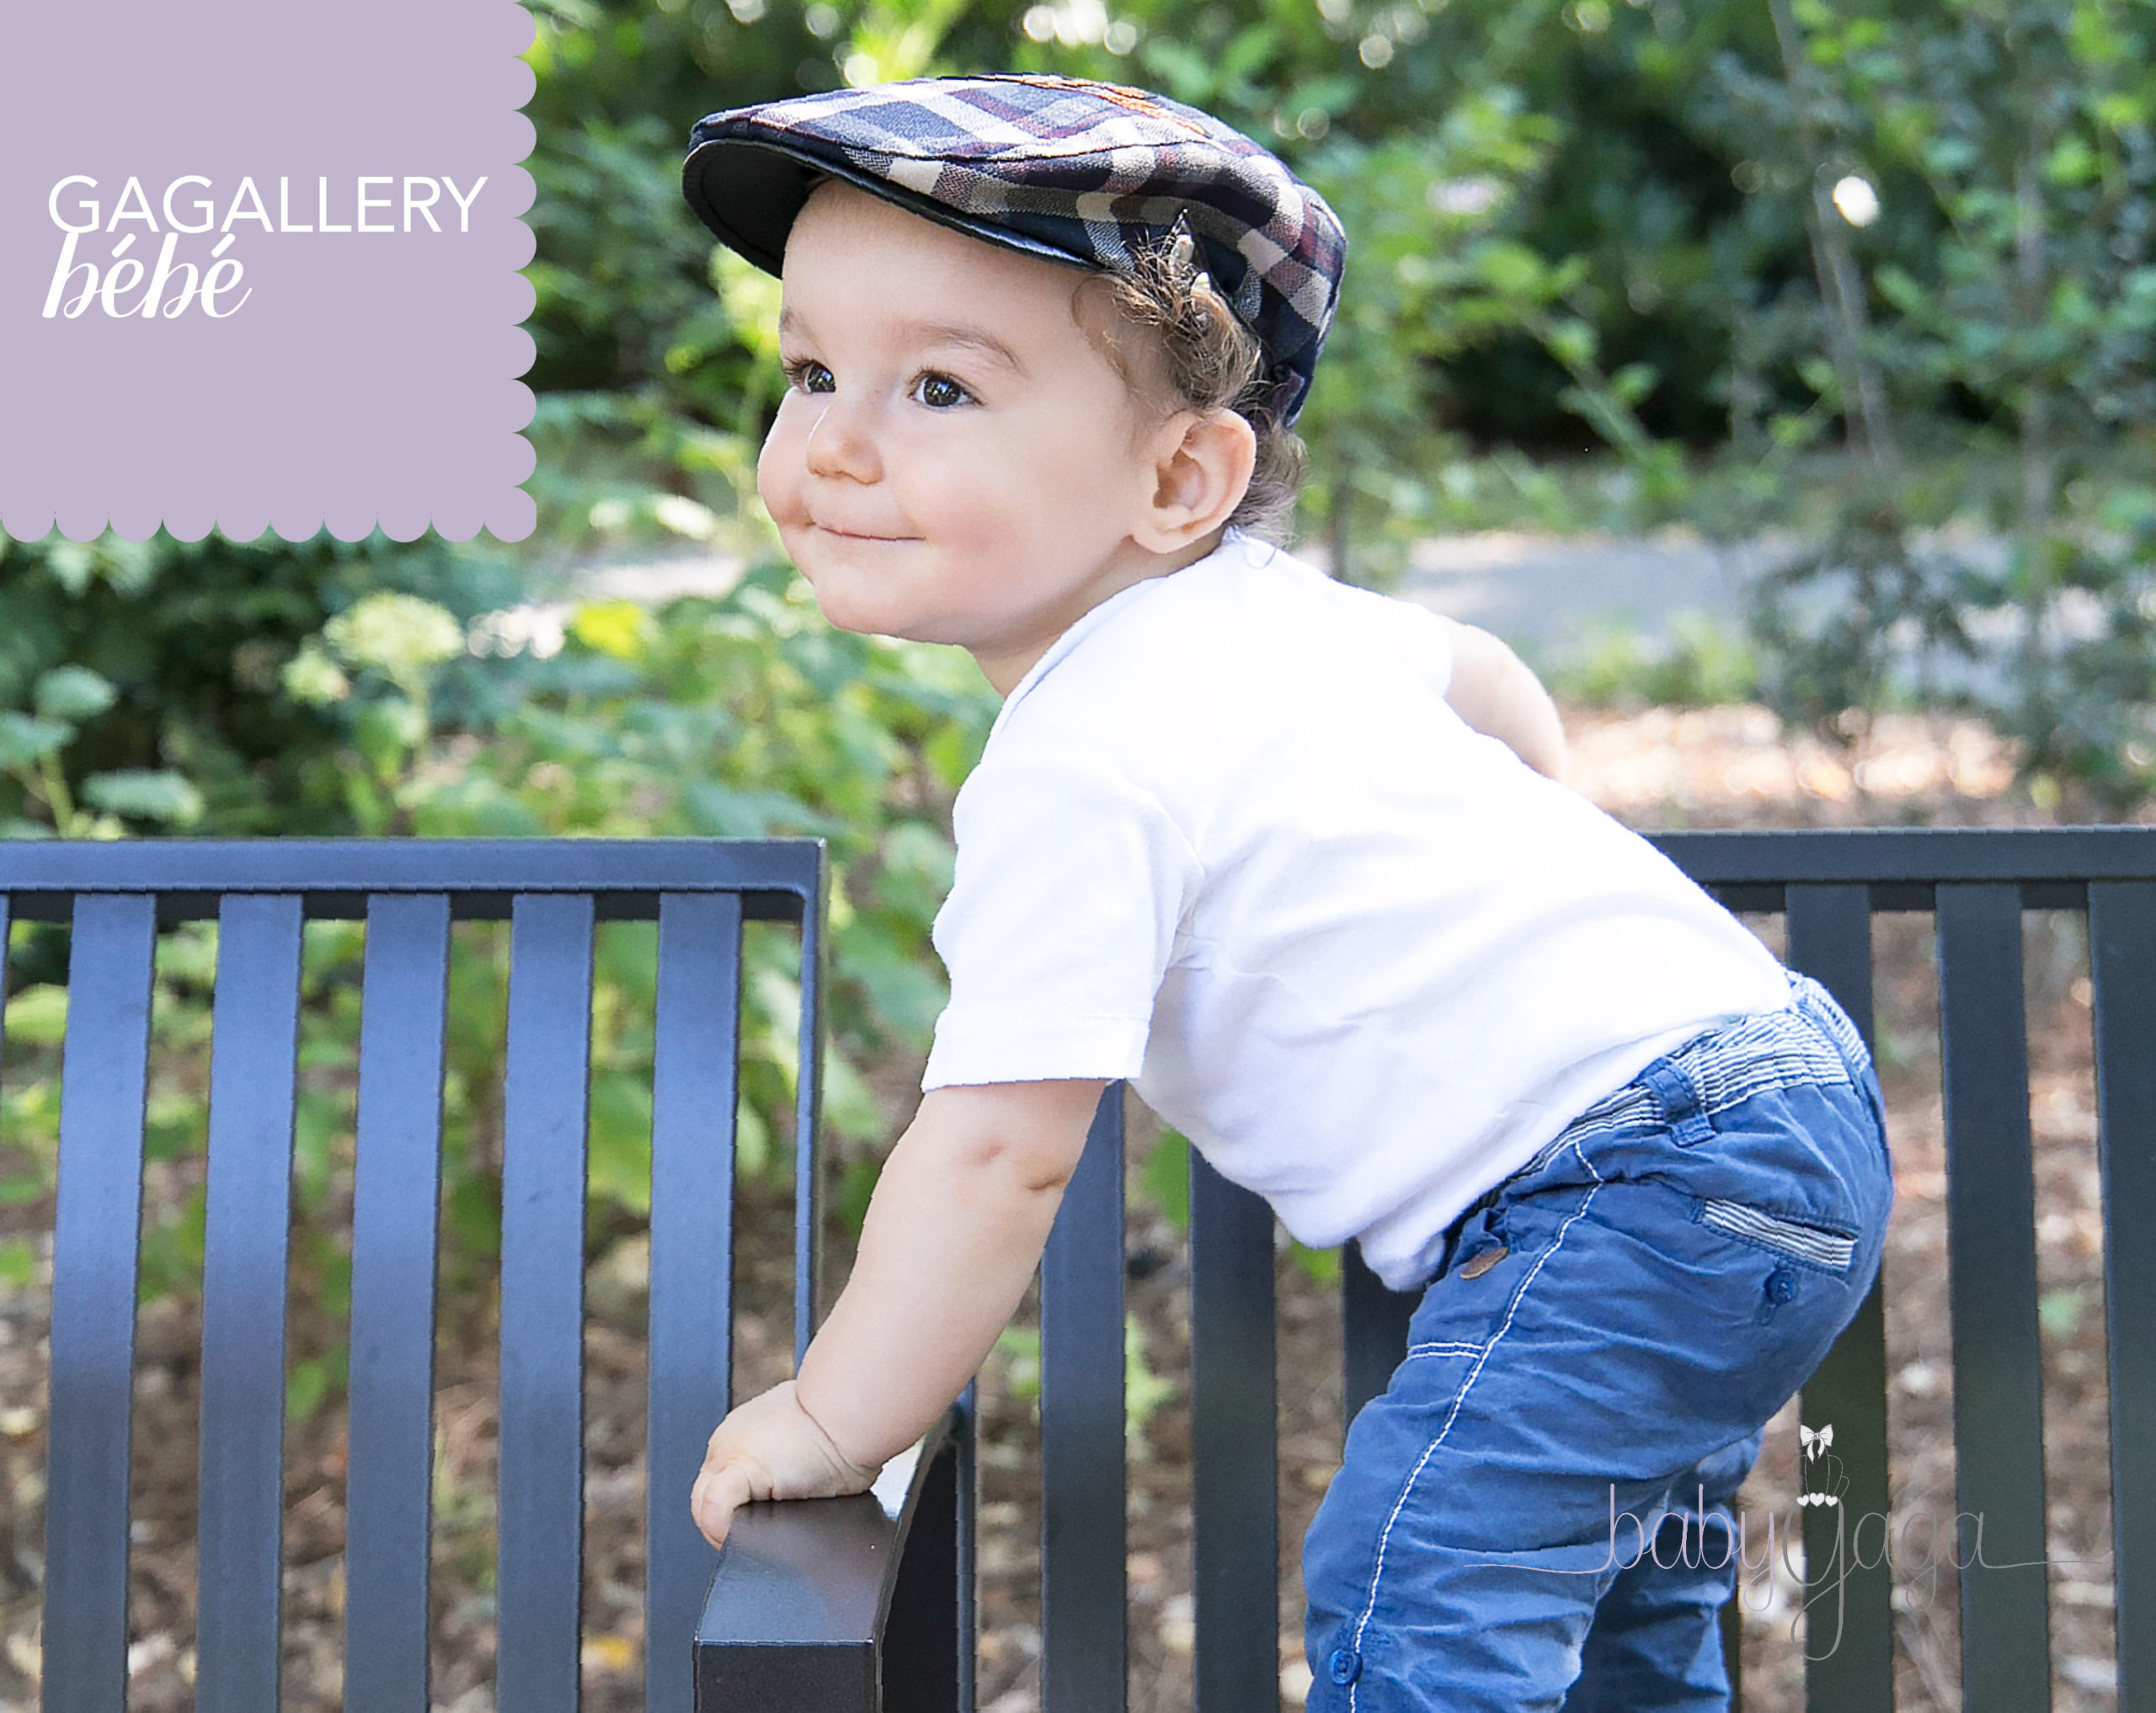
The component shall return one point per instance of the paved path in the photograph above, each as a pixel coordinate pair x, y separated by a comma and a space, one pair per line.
1544, 591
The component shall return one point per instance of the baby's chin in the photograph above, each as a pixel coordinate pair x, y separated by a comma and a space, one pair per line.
863, 618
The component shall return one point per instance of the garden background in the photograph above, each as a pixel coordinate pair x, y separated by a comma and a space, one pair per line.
1862, 296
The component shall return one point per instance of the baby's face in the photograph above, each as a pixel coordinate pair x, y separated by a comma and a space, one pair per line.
954, 460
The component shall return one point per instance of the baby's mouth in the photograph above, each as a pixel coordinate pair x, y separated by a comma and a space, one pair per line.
844, 535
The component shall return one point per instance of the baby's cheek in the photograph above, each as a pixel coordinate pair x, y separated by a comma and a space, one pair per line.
778, 474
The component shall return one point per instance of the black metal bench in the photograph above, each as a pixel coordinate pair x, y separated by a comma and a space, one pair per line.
844, 1606
1828, 885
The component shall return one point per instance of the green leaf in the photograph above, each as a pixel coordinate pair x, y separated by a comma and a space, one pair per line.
621, 628
752, 1141
2060, 1311
1164, 1178
1573, 343
72, 693
386, 731
857, 1184
1143, 1392
1020, 1348
306, 1388
1512, 269
18, 1263
472, 1208
37, 1016
162, 795
25, 740
905, 990
321, 1118
620, 1140
918, 865
849, 1108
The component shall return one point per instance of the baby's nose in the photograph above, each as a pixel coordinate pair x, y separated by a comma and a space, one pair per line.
843, 442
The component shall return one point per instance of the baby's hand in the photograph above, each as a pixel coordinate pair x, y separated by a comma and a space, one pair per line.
769, 1449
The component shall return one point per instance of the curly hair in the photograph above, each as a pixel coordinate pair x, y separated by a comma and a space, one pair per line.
1210, 361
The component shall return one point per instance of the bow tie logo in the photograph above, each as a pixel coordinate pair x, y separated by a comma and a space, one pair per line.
1824, 1480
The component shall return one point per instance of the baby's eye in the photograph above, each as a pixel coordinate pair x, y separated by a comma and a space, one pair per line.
940, 392
810, 376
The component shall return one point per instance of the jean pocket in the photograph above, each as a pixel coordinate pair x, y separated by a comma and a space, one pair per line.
1818, 1244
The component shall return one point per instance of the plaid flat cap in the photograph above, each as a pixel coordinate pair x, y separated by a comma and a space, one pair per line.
1075, 171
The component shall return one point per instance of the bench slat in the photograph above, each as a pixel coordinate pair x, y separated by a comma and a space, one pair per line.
1992, 1250
693, 1099
1849, 1646
807, 1128
255, 1044
1084, 1648
397, 1185
1374, 1332
1234, 1497
2123, 942
545, 1102
95, 1253
928, 1643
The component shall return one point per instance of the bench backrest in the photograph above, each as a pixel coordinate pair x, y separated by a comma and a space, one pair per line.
116, 896
1826, 885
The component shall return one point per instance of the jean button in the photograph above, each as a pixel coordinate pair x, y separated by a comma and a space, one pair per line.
1343, 1667
1781, 1286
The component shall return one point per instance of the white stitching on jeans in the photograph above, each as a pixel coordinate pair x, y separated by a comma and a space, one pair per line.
1384, 1536
1446, 1349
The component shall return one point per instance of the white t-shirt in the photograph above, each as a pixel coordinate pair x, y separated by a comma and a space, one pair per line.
1228, 839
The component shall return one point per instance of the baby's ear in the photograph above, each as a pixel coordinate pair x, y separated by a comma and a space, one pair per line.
1201, 469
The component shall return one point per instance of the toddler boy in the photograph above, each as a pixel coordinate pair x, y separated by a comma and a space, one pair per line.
1278, 851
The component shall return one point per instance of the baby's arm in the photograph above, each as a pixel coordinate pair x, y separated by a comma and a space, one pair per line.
1492, 690
954, 1231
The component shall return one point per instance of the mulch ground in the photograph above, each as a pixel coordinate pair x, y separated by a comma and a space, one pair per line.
1722, 767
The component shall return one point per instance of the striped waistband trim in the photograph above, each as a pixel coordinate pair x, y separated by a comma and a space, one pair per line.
1813, 1042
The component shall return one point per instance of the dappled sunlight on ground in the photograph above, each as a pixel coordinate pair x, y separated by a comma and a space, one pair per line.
1736, 767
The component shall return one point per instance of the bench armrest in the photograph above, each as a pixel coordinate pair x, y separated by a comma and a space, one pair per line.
848, 1605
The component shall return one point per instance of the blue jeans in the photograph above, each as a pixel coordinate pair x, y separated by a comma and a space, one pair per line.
1611, 1328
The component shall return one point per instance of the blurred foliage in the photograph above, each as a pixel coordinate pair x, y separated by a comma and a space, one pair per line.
2002, 382
743, 716
1471, 148
142, 682
1700, 661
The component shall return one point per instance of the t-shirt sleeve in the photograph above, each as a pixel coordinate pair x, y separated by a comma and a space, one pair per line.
1062, 917
1420, 639
1425, 642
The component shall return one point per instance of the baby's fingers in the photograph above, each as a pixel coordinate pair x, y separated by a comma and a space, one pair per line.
716, 1496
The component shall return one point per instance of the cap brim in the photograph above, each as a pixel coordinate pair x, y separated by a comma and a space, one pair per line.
749, 192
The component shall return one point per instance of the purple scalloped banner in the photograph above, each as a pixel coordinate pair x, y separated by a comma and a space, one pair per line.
259, 269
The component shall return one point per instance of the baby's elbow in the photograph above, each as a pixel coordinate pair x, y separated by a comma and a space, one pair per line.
1496, 693
1028, 1169
1024, 1138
